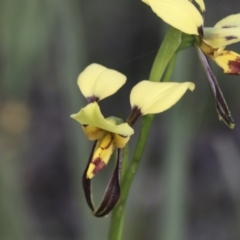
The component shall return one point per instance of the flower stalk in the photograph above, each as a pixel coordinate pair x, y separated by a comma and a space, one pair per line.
165, 54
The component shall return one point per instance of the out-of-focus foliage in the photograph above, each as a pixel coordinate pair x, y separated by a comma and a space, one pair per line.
188, 183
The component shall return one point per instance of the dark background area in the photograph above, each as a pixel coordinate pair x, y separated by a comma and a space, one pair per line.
188, 184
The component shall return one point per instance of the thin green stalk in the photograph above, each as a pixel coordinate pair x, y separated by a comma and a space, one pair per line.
171, 64
124, 161
165, 53
117, 220
168, 48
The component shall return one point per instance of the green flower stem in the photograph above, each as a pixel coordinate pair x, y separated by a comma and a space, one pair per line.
124, 161
168, 48
166, 52
117, 220
171, 64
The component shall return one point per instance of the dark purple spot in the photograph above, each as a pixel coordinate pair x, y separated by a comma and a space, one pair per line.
96, 161
230, 37
99, 165
122, 136
92, 99
200, 31
228, 26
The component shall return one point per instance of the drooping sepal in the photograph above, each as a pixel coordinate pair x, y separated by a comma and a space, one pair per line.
221, 104
112, 193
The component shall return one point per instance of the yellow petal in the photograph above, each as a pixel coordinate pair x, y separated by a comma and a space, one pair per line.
99, 82
87, 78
229, 61
229, 21
92, 133
101, 155
221, 37
120, 141
156, 97
207, 49
180, 14
91, 115
225, 32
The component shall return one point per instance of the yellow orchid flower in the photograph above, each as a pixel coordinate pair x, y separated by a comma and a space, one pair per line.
211, 42
183, 15
97, 82
146, 97
112, 133
109, 133
215, 39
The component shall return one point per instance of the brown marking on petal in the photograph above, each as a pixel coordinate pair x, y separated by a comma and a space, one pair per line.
234, 66
99, 165
108, 145
135, 114
92, 99
84, 125
200, 31
122, 136
230, 38
228, 26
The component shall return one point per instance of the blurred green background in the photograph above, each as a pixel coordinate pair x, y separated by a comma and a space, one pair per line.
188, 184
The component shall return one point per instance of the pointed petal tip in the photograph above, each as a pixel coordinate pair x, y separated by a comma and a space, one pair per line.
73, 116
191, 86
229, 122
90, 174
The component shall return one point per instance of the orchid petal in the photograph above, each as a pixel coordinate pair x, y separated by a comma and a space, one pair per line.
221, 37
221, 104
229, 61
112, 193
102, 153
156, 97
91, 115
180, 14
230, 21
97, 81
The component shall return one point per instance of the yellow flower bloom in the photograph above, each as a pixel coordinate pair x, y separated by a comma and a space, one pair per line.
156, 97
97, 82
183, 15
109, 133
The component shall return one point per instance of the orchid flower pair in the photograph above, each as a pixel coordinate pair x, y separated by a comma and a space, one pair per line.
97, 82
187, 16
